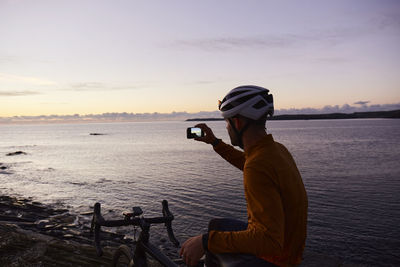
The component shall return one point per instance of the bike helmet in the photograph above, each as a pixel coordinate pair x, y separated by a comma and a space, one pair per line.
250, 101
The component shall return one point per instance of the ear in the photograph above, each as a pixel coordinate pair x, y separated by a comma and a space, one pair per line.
238, 123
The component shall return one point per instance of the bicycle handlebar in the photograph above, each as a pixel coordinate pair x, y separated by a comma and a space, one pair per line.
168, 224
99, 221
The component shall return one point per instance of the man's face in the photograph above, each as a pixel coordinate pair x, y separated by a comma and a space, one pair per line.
232, 135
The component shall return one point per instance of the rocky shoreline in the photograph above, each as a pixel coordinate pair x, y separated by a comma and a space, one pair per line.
33, 234
59, 223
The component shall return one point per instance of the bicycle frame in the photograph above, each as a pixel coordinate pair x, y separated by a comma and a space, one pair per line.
142, 245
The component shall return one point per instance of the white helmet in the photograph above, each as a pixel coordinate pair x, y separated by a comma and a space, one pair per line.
250, 101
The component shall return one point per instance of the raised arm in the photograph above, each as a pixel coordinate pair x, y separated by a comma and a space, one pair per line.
228, 152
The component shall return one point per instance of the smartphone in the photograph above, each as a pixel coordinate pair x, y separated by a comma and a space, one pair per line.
194, 132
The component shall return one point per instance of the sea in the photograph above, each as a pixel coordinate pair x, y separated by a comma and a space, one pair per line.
350, 168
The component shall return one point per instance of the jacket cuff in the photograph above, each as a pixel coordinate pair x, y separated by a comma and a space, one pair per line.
205, 241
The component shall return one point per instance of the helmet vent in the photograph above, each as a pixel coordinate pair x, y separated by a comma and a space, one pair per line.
259, 104
237, 102
227, 107
235, 94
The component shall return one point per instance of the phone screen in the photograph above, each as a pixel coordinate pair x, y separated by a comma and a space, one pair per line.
194, 132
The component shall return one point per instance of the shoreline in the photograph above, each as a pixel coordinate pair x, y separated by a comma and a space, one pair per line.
35, 234
393, 114
32, 233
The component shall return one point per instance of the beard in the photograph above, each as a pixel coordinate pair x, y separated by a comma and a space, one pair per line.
234, 139
234, 135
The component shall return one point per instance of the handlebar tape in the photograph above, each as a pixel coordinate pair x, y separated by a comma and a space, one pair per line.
168, 214
97, 218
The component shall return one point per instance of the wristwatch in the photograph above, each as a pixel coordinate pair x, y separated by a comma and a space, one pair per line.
215, 142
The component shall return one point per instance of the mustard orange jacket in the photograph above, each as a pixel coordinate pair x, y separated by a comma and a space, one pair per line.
276, 205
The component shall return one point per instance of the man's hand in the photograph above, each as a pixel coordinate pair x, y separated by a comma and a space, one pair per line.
209, 136
192, 250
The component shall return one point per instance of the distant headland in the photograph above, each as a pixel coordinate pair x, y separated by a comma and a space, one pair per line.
393, 114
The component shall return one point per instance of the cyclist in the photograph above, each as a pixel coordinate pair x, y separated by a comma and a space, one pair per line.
275, 232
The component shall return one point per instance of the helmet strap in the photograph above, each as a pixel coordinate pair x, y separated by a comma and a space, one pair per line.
238, 133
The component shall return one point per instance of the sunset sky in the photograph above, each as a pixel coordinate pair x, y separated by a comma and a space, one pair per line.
90, 57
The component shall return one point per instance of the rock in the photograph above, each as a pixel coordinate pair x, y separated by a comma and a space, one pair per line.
74, 232
16, 153
13, 218
41, 224
128, 239
87, 213
25, 248
63, 218
37, 204
33, 217
57, 225
56, 233
49, 226
68, 236
3, 169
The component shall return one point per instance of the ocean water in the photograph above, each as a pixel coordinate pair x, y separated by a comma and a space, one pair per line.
350, 168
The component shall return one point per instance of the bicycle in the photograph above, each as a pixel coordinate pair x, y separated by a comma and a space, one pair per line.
137, 255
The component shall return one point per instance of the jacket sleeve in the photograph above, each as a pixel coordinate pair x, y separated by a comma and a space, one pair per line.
230, 154
265, 233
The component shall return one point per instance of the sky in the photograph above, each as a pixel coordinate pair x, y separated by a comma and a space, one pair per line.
91, 57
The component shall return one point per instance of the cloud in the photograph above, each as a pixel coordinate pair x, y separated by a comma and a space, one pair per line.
340, 109
87, 86
228, 43
7, 59
99, 86
18, 93
390, 20
111, 117
201, 82
5, 77
361, 102
181, 116
326, 37
332, 60
329, 36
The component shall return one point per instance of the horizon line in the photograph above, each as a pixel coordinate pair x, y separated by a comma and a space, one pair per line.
183, 115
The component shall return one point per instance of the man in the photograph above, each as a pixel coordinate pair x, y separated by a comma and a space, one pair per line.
275, 232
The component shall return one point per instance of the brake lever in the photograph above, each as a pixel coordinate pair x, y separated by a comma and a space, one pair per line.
168, 223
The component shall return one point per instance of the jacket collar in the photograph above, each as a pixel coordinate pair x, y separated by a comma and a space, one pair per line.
266, 141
